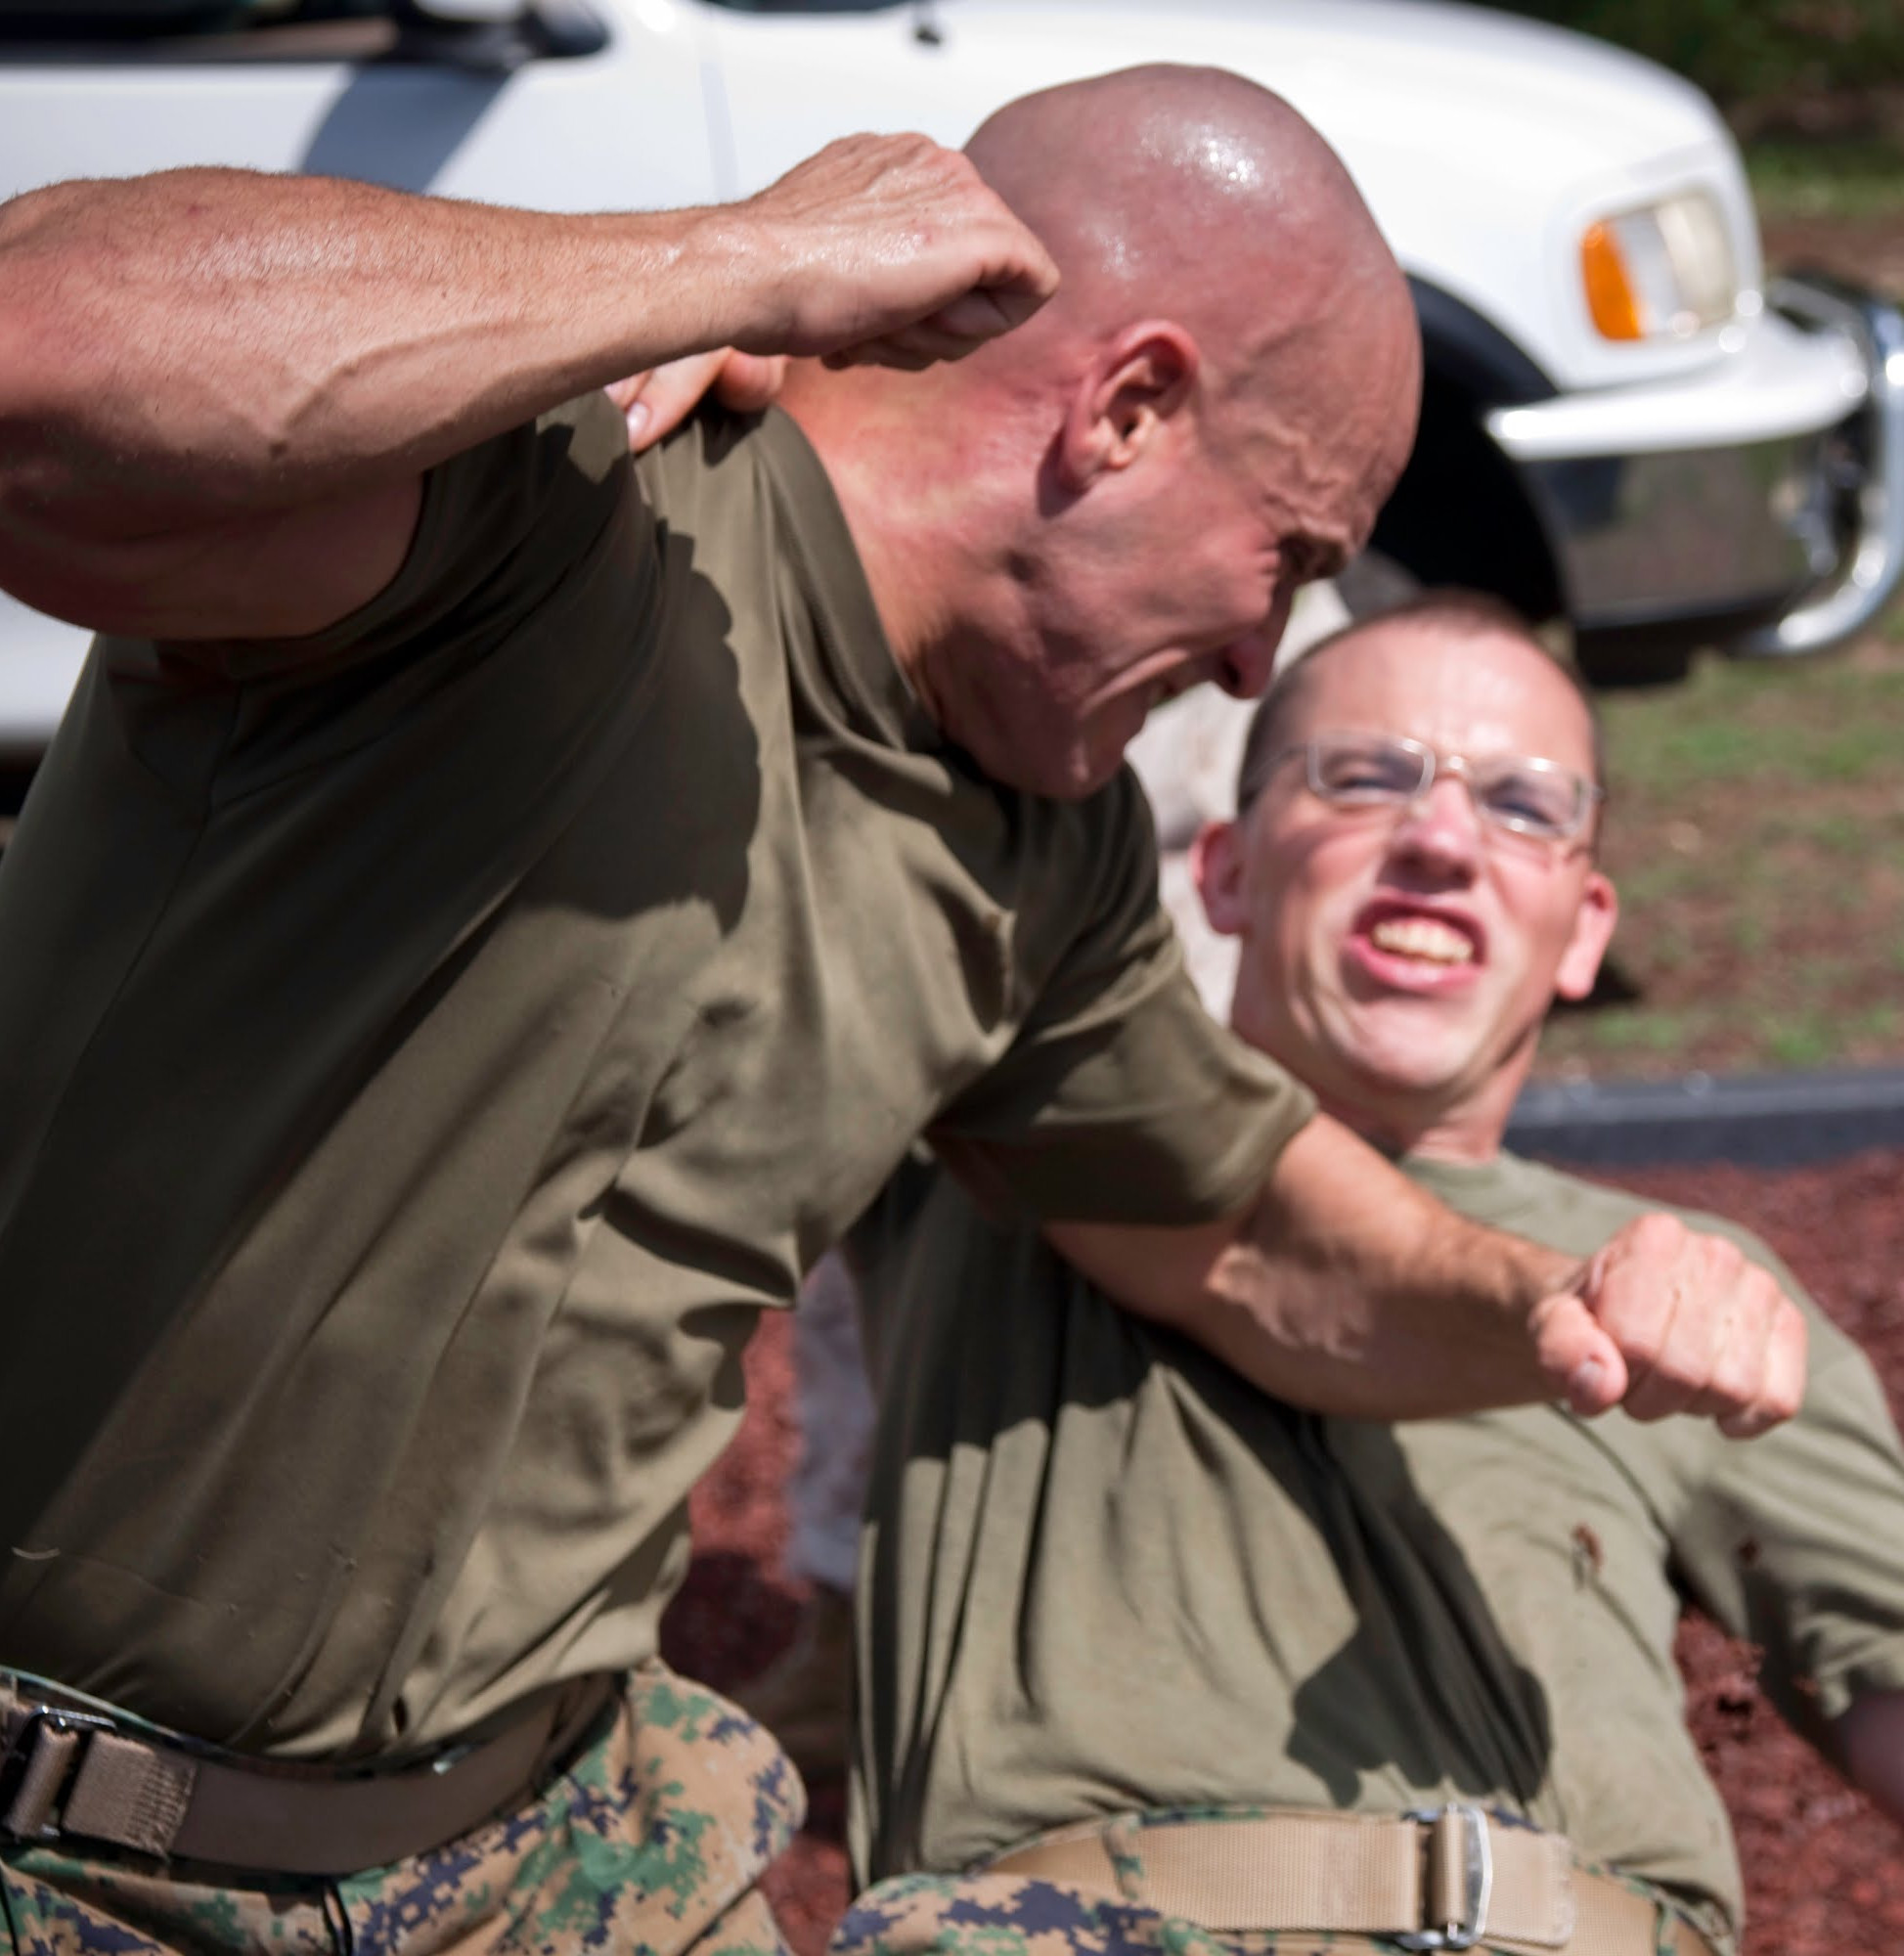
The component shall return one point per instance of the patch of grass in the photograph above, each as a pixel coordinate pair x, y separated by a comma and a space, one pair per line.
1672, 947
1829, 718
1831, 831
1653, 883
1879, 1022
1749, 930
1800, 1040
1756, 833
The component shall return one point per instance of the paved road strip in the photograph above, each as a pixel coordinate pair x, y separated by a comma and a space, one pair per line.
1773, 1119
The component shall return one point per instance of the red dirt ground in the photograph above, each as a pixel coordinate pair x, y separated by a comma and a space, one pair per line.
1825, 1874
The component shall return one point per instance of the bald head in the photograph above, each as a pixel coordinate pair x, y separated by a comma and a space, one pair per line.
1195, 193
1116, 499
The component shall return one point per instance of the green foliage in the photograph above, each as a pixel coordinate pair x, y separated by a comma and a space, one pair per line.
1739, 49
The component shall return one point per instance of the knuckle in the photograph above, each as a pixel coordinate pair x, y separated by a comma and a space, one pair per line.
1681, 1374
1659, 1237
1728, 1259
1764, 1299
1642, 1345
1738, 1374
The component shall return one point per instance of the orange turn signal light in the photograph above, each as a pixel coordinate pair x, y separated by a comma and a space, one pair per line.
1610, 293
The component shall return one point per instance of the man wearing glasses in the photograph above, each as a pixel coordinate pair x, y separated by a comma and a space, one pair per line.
494, 914
1130, 1627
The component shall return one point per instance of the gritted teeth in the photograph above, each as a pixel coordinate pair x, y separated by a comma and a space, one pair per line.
1422, 937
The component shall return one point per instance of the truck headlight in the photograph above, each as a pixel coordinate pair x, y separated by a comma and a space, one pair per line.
1665, 269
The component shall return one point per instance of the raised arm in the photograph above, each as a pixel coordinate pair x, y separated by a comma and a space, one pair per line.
1347, 1290
219, 391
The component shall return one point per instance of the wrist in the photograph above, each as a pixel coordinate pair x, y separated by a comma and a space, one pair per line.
750, 275
1504, 1275
1541, 1273
1496, 1285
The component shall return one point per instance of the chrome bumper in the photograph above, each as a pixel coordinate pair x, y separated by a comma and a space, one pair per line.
1719, 533
1772, 547
1873, 563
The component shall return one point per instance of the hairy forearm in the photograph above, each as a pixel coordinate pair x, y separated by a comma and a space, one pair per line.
217, 338
1375, 1299
1346, 1290
220, 391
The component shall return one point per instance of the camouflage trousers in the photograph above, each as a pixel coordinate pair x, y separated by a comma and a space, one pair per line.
649, 1844
1013, 1915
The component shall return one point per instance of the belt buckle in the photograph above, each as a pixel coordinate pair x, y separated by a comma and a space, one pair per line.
17, 1767
1476, 1879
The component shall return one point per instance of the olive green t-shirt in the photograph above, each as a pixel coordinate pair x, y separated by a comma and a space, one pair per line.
428, 1044
1100, 1572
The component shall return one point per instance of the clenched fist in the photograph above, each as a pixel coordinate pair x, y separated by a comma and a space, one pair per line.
885, 249
1668, 1319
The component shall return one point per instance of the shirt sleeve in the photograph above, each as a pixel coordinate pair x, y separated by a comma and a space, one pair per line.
530, 575
1796, 1540
1121, 1099
495, 526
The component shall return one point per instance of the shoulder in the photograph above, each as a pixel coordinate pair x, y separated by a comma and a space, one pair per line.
712, 457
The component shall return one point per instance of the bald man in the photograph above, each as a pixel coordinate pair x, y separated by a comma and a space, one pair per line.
494, 913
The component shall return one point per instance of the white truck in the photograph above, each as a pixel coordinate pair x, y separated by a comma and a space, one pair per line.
1622, 422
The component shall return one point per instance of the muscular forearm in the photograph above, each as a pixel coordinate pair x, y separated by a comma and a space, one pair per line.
1377, 1300
219, 391
1346, 1290
206, 340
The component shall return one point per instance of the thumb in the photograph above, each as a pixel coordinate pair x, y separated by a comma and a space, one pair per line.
747, 382
1575, 1352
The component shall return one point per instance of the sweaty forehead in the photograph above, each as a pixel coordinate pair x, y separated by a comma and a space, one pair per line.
1476, 693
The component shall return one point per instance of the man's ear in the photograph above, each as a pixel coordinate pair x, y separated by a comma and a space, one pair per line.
1217, 867
1130, 392
1593, 928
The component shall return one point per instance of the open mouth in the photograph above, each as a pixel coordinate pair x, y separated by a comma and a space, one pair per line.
1411, 945
1425, 937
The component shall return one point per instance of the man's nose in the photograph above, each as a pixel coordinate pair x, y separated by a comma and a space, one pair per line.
1441, 828
1248, 663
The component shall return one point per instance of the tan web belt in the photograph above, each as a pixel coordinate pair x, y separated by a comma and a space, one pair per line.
1442, 1879
75, 1773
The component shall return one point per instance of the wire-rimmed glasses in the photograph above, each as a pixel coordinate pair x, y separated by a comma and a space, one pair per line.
1519, 794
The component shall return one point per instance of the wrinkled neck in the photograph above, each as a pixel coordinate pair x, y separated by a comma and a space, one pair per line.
911, 503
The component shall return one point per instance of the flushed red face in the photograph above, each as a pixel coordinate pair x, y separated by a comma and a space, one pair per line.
1401, 959
1172, 522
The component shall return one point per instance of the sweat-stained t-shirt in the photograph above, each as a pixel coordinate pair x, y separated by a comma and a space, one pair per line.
427, 1045
1101, 1573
